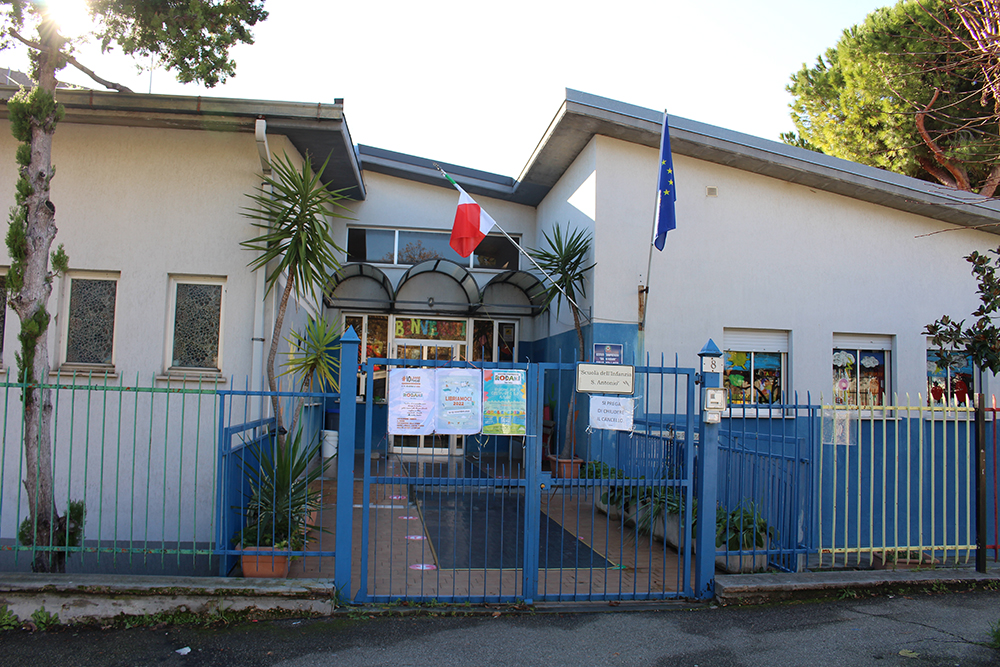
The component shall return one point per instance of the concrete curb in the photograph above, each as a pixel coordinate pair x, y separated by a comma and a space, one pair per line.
759, 588
83, 597
93, 597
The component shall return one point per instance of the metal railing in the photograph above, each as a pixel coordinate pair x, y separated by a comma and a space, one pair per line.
141, 460
896, 485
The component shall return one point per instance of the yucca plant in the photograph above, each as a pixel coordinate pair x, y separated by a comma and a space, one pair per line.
311, 357
292, 208
565, 261
279, 493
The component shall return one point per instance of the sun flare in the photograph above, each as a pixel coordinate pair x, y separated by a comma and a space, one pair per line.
71, 16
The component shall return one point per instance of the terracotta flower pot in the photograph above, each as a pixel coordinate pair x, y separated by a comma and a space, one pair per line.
264, 565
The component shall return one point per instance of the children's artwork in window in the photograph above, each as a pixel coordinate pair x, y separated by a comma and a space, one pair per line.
859, 377
482, 340
949, 378
753, 377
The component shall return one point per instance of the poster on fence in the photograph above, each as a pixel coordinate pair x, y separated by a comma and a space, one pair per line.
504, 402
611, 413
411, 401
459, 401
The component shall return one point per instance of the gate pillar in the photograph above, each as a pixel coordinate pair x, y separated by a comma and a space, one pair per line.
349, 346
707, 470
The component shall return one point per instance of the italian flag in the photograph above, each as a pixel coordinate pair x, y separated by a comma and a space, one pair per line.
472, 223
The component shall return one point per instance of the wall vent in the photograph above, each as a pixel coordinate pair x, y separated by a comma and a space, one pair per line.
711, 191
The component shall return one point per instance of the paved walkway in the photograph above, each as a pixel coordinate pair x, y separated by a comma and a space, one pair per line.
403, 558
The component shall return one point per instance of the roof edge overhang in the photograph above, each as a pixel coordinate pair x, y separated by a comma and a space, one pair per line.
582, 116
319, 130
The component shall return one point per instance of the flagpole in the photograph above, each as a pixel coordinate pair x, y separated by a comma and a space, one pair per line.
524, 252
644, 292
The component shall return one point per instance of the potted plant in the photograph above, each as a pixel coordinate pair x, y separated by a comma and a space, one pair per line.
743, 529
280, 495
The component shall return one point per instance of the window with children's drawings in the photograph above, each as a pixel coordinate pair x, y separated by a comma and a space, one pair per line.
755, 370
949, 378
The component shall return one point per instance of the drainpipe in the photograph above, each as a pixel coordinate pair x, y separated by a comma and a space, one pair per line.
259, 334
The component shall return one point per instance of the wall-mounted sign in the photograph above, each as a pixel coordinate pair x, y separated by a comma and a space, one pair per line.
605, 379
504, 402
612, 413
608, 353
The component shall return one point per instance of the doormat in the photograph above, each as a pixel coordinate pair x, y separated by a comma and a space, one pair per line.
484, 529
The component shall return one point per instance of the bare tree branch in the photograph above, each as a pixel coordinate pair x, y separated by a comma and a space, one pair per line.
72, 61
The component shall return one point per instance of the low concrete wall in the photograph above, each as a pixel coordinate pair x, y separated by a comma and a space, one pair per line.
90, 597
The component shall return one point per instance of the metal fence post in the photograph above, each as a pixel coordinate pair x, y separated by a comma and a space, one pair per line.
979, 456
349, 347
708, 475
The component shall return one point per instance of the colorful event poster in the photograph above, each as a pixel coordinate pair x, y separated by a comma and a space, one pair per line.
411, 401
459, 401
504, 402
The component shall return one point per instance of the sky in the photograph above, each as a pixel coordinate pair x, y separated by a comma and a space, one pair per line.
476, 84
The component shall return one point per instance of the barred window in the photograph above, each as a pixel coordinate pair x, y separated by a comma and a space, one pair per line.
90, 319
195, 332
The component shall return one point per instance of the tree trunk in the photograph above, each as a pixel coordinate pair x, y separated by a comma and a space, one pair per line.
29, 303
568, 450
272, 382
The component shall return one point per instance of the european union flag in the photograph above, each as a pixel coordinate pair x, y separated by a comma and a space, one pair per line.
667, 195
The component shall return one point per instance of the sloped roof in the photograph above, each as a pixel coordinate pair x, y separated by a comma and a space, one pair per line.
317, 129
582, 116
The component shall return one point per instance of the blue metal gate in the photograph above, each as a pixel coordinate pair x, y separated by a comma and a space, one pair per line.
561, 513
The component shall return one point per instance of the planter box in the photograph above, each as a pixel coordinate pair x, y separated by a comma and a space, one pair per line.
668, 527
264, 565
568, 468
613, 511
736, 564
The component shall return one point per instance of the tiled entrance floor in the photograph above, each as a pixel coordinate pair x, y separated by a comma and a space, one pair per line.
402, 559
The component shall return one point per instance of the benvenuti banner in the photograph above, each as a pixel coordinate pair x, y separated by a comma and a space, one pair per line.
505, 402
444, 400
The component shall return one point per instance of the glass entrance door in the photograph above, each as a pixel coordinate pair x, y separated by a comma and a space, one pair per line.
427, 350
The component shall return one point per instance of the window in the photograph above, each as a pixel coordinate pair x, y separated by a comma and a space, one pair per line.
89, 319
949, 378
194, 341
755, 366
407, 247
861, 369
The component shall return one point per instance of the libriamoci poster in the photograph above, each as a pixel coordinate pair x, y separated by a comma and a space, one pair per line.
459, 401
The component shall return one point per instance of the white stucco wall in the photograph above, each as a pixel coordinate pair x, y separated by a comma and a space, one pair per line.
572, 205
149, 203
770, 254
145, 204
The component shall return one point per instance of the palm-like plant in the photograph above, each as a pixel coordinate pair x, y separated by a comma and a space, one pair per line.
279, 494
292, 208
565, 262
311, 356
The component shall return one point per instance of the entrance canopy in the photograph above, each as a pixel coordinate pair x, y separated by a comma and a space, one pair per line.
359, 286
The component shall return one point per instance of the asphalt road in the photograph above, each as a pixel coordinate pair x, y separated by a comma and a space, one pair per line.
936, 629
